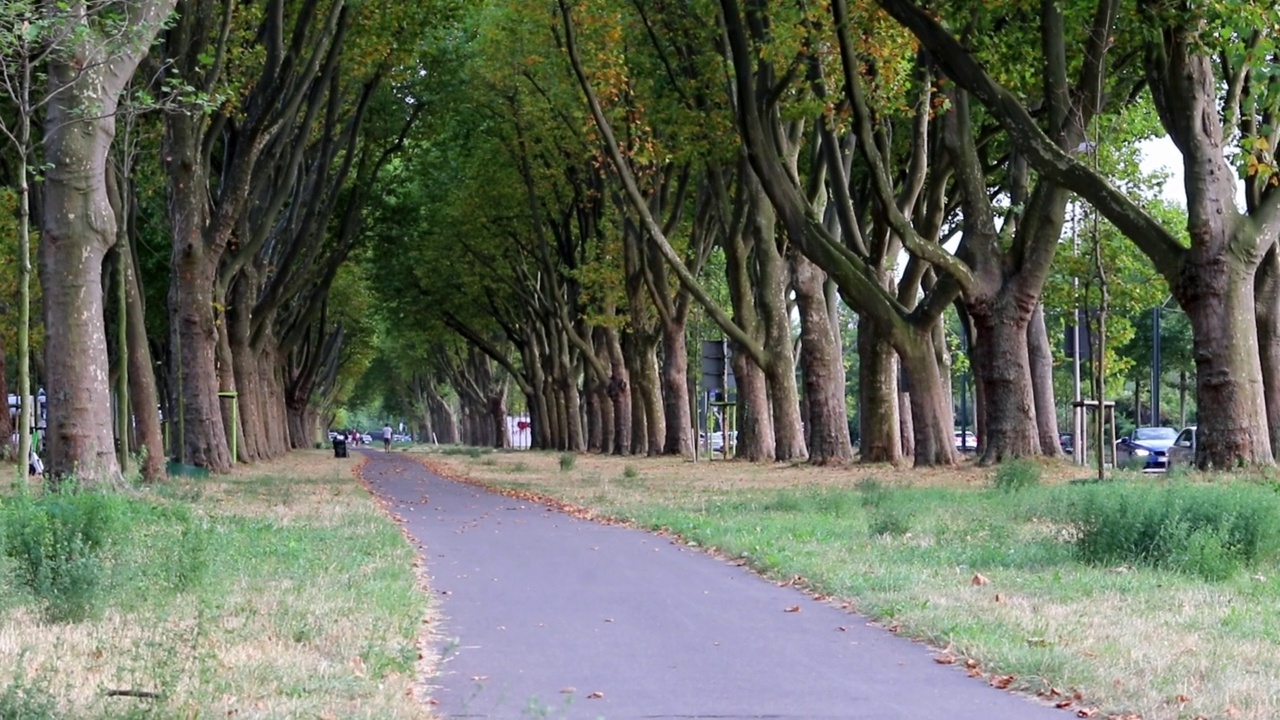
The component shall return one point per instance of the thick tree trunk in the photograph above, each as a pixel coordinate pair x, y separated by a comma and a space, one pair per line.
650, 391
619, 391
756, 439
1218, 296
931, 415
272, 378
878, 429
78, 226
675, 389
193, 327
1267, 302
1040, 357
827, 419
1003, 369
246, 374
784, 396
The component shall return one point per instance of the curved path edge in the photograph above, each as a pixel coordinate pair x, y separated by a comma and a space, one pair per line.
549, 615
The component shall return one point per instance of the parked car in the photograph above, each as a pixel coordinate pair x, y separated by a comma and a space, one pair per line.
1146, 449
1068, 443
966, 441
1183, 450
717, 441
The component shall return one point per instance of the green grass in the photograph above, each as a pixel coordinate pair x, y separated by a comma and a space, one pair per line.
269, 597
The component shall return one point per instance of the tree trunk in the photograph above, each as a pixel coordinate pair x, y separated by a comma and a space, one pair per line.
823, 368
651, 399
78, 226
1003, 369
675, 388
932, 422
756, 439
202, 438
1217, 295
878, 430
143, 397
619, 391
1267, 302
784, 396
1040, 357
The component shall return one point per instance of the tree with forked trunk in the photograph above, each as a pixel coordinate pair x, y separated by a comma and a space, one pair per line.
1194, 88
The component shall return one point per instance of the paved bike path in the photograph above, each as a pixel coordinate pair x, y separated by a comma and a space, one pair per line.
546, 615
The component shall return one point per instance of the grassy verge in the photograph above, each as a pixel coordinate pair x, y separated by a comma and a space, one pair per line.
1145, 597
279, 592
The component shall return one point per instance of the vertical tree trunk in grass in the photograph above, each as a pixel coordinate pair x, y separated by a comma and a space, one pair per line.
675, 387
827, 422
1003, 369
78, 228
651, 397
1267, 301
784, 396
143, 397
932, 417
756, 438
201, 436
88, 75
1041, 359
1219, 301
878, 428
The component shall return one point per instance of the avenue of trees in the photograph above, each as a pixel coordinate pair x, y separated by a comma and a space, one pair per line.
243, 215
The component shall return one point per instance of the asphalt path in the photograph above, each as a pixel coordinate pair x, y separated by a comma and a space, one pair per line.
547, 615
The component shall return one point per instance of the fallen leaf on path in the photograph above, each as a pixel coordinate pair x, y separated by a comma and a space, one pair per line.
793, 608
945, 659
1183, 698
568, 690
1002, 681
478, 678
1086, 712
980, 579
999, 597
842, 628
1064, 704
595, 695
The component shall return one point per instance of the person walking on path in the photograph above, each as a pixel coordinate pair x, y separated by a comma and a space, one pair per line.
386, 437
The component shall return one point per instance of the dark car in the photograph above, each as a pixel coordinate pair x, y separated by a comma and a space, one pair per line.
1146, 449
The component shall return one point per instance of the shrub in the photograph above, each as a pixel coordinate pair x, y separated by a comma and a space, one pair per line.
889, 519
56, 544
27, 698
630, 472
874, 493
1016, 475
1204, 530
568, 461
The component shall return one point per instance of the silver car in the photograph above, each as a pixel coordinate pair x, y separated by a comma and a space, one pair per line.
1183, 450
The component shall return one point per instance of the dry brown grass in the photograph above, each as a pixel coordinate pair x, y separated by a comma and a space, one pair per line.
309, 611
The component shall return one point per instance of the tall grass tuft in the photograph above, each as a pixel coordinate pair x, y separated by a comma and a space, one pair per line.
1016, 475
1210, 531
55, 544
568, 461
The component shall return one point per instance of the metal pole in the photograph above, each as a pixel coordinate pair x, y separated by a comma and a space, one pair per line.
1156, 362
1077, 410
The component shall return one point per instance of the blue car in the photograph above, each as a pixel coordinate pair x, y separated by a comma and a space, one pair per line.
1146, 449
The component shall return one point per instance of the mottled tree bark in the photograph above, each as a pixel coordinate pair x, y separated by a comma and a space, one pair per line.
823, 368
